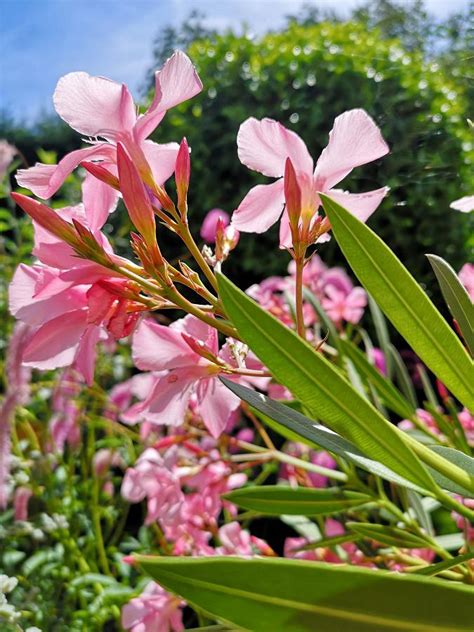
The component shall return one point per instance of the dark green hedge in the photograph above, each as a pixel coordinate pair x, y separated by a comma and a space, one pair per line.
306, 76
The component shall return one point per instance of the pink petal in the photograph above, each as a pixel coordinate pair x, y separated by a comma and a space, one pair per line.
361, 205
260, 208
54, 344
216, 404
156, 347
353, 141
99, 201
161, 158
198, 330
94, 106
265, 145
209, 225
169, 400
176, 82
464, 204
86, 353
26, 307
45, 180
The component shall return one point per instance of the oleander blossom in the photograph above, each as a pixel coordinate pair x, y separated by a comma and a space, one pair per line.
265, 145
103, 109
184, 376
155, 610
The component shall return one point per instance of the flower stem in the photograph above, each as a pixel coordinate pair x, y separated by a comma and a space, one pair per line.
299, 261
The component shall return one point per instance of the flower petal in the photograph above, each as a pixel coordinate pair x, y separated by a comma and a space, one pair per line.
353, 141
464, 204
99, 201
168, 402
260, 208
362, 205
86, 353
176, 82
161, 158
45, 180
156, 348
94, 106
265, 145
216, 404
55, 343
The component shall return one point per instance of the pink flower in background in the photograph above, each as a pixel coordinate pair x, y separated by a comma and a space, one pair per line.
152, 477
378, 358
155, 610
466, 276
464, 204
188, 375
265, 145
318, 457
100, 108
209, 225
7, 153
341, 306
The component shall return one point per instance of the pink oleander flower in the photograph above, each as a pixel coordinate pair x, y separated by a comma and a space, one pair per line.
332, 528
341, 306
265, 145
318, 457
71, 303
189, 375
461, 522
7, 153
237, 541
464, 204
209, 226
100, 108
378, 358
425, 417
155, 610
466, 419
153, 477
466, 276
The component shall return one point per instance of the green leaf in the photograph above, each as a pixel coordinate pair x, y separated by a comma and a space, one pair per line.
391, 536
459, 459
391, 397
383, 336
292, 424
299, 596
456, 297
434, 569
276, 500
319, 386
403, 302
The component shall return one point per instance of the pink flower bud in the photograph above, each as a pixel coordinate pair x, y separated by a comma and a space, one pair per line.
135, 197
209, 225
101, 173
47, 218
292, 197
182, 174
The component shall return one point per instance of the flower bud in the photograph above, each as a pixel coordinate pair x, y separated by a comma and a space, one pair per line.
292, 198
182, 173
101, 173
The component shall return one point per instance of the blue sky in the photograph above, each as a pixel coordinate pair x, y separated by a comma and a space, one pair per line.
40, 40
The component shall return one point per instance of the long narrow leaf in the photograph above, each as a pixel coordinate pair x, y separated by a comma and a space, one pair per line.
403, 301
389, 394
456, 297
276, 500
299, 596
319, 386
434, 569
286, 420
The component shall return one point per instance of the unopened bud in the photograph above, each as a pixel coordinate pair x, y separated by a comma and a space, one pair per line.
182, 174
102, 174
292, 198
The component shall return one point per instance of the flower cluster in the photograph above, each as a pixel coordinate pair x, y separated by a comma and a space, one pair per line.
192, 440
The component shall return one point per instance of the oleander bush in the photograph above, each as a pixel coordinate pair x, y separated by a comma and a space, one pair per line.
178, 453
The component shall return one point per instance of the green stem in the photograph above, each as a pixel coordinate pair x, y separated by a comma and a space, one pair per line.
185, 234
300, 328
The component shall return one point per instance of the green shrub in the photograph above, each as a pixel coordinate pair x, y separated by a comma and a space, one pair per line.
306, 76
